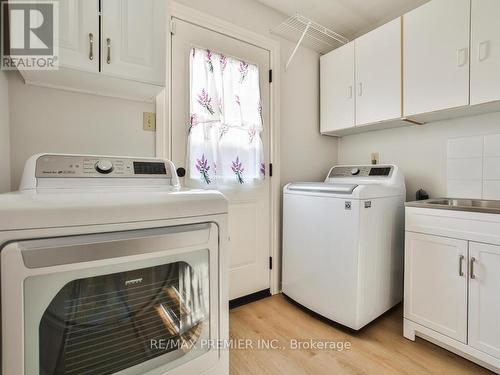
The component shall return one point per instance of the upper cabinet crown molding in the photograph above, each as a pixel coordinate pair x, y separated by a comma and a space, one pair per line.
117, 50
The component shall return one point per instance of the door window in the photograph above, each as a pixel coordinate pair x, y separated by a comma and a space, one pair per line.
224, 142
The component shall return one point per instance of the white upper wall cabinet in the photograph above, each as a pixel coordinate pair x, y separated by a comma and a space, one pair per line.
485, 52
133, 39
378, 74
337, 89
132, 65
79, 34
436, 56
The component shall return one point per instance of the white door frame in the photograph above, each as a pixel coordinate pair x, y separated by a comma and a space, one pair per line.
164, 118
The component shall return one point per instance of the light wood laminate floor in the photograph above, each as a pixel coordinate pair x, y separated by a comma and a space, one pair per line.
379, 348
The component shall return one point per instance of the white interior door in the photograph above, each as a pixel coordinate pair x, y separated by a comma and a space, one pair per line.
436, 284
484, 304
249, 206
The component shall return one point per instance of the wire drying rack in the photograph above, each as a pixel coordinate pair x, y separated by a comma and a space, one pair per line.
309, 33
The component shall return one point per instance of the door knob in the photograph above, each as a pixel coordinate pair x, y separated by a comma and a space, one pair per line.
181, 172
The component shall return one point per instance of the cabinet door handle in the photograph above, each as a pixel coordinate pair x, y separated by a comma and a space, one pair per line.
360, 89
460, 265
108, 43
462, 57
349, 92
483, 50
91, 46
472, 261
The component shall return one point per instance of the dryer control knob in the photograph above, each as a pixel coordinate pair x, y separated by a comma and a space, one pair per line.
355, 171
104, 166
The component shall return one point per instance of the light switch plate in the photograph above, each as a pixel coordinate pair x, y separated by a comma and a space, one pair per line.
149, 121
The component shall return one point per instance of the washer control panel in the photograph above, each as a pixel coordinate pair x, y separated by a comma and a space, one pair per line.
61, 166
361, 171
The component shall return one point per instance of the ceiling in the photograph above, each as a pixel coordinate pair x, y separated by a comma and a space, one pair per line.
350, 18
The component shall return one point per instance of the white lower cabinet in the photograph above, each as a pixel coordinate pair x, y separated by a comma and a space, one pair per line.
452, 295
436, 284
484, 298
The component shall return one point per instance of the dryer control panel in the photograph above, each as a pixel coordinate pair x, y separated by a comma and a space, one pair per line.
61, 166
66, 171
361, 171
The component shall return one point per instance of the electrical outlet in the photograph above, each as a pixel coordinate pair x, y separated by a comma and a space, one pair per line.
375, 158
149, 121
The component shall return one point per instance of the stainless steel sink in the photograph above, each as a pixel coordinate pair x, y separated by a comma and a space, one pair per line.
473, 205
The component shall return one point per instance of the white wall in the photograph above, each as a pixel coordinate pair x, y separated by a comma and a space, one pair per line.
50, 120
421, 151
305, 154
4, 134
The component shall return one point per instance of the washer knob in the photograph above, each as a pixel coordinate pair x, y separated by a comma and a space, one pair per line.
355, 171
104, 166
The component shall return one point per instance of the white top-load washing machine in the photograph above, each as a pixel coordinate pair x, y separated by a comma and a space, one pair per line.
343, 243
109, 266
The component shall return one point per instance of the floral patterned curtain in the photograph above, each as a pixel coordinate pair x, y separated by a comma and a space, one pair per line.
224, 143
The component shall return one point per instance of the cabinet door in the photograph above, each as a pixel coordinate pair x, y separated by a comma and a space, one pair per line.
436, 56
485, 52
337, 89
436, 284
133, 40
378, 74
484, 298
79, 34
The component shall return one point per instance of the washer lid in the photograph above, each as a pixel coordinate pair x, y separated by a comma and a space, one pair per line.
321, 187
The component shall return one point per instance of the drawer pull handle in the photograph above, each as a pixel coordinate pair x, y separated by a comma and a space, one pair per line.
349, 92
462, 57
108, 42
91, 46
483, 50
472, 261
460, 265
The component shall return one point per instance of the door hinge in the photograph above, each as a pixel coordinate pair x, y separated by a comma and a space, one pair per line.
270, 75
270, 169
172, 26
270, 263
